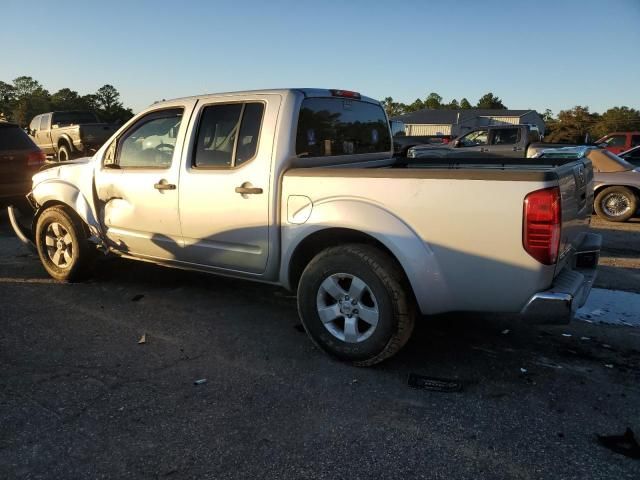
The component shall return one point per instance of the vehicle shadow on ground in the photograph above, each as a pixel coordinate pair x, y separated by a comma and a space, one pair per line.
468, 347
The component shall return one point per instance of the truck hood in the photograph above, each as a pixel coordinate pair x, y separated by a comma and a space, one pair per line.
69, 171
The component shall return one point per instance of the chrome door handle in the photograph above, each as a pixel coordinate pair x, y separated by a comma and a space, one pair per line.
249, 190
164, 185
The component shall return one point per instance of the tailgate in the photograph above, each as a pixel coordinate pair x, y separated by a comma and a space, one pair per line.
576, 193
95, 135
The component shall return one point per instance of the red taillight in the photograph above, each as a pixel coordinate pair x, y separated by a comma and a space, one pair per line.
542, 224
36, 159
345, 93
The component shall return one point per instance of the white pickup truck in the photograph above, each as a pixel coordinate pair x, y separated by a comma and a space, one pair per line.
298, 187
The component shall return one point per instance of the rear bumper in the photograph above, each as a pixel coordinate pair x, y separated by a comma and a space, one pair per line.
570, 288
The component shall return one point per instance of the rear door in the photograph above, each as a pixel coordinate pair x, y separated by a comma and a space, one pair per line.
505, 142
225, 183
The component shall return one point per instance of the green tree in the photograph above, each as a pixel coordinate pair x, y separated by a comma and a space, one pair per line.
490, 101
67, 99
453, 105
464, 104
616, 119
571, 126
7, 96
416, 105
109, 106
433, 100
30, 99
392, 108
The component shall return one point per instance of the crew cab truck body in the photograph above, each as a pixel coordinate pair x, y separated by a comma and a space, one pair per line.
68, 135
298, 188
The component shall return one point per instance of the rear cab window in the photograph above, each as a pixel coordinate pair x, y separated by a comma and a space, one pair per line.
341, 126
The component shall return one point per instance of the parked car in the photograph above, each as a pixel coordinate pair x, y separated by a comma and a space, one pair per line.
632, 156
618, 142
20, 158
299, 188
68, 135
497, 141
616, 184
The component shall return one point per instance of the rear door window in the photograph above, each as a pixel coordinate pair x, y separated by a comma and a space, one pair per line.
228, 135
504, 136
14, 138
341, 126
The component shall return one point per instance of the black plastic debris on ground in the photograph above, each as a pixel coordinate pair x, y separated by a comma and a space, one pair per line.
137, 298
433, 384
625, 444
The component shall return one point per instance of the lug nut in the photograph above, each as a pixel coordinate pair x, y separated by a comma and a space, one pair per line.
355, 312
354, 301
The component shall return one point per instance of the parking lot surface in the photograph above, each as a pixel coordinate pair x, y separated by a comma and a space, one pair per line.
80, 397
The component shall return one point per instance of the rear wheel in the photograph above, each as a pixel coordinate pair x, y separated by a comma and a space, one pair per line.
616, 204
62, 245
355, 305
64, 153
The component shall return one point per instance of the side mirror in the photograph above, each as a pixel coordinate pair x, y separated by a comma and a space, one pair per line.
456, 143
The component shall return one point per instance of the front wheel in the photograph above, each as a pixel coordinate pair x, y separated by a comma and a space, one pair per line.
62, 244
616, 204
355, 304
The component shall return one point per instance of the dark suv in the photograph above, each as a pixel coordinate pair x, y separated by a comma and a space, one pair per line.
20, 158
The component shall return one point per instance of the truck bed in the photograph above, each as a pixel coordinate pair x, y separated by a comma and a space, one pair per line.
468, 216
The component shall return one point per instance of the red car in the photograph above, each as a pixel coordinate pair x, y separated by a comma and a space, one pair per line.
617, 142
20, 158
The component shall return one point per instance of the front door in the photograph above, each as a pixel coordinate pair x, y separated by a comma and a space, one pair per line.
137, 185
43, 135
225, 184
473, 144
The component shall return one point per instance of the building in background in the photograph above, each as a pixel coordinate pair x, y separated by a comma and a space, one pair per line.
458, 122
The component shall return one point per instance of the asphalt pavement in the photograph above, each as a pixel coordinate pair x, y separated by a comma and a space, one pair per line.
80, 397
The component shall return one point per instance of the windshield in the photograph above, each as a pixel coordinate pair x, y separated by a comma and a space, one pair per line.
73, 118
341, 126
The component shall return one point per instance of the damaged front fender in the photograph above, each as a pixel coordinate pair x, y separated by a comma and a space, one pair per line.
59, 191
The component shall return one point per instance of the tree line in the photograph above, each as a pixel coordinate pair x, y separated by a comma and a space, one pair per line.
25, 98
571, 126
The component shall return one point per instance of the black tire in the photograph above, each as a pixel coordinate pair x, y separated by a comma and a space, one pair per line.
64, 153
77, 249
387, 290
616, 199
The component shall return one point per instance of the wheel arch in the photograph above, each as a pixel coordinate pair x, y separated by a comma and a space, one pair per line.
60, 193
634, 188
65, 140
345, 221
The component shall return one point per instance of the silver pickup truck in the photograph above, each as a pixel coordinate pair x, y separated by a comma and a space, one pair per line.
298, 187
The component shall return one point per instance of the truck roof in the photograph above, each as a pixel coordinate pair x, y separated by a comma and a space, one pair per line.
307, 92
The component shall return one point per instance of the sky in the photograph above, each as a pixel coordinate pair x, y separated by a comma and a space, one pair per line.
537, 54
